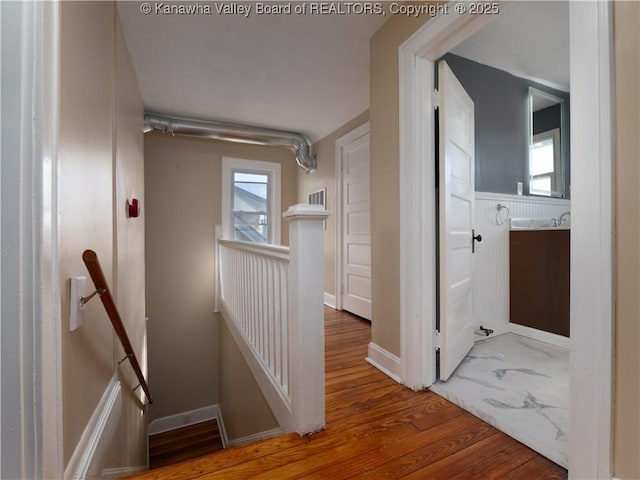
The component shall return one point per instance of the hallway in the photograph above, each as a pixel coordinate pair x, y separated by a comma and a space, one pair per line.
375, 429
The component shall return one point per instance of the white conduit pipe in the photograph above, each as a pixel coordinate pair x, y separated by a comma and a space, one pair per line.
232, 132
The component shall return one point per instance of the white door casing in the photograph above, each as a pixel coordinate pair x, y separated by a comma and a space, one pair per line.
354, 253
590, 38
457, 188
31, 404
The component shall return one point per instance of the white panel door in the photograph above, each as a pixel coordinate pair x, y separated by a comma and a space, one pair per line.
356, 227
457, 185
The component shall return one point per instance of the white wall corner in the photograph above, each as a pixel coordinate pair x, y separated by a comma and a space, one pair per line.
329, 300
91, 451
385, 361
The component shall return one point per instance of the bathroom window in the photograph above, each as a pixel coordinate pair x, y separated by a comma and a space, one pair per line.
251, 200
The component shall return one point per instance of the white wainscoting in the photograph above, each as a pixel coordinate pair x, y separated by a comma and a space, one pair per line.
491, 267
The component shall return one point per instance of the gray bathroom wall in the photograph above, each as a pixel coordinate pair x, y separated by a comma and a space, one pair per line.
547, 119
500, 101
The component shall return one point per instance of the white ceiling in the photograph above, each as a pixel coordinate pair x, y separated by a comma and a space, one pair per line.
303, 73
527, 39
309, 73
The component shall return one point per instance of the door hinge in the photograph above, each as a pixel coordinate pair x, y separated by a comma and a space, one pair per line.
436, 340
435, 99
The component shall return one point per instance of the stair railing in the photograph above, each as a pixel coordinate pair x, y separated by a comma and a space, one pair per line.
92, 263
271, 298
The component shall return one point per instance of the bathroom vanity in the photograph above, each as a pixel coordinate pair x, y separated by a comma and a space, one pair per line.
539, 278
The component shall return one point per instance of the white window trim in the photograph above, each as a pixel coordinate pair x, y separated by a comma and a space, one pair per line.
231, 164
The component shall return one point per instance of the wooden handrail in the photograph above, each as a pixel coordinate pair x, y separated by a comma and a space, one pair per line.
90, 259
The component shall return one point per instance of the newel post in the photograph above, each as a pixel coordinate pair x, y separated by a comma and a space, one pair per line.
306, 317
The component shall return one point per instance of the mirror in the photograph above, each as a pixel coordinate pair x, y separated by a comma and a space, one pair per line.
545, 172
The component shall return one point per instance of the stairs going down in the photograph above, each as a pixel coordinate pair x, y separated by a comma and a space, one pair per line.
184, 443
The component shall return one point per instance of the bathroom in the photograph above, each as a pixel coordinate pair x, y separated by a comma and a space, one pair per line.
517, 376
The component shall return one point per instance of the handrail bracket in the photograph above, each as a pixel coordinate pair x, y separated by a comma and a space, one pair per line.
97, 291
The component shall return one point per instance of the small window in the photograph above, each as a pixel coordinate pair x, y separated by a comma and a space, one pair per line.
251, 200
251, 207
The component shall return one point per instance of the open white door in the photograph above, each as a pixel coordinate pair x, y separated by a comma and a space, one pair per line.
356, 224
457, 185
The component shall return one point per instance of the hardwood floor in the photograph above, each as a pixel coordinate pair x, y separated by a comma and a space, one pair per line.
375, 429
184, 443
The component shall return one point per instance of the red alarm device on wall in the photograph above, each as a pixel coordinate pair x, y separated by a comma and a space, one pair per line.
133, 208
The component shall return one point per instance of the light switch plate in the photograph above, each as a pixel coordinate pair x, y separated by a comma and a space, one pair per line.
76, 308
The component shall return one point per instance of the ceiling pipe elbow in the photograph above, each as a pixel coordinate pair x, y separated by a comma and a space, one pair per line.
236, 133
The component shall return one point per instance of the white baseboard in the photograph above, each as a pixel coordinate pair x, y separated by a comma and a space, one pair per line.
384, 361
547, 337
113, 473
222, 428
91, 451
236, 442
171, 422
329, 300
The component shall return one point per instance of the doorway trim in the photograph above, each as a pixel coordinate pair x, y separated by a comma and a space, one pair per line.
340, 143
32, 366
592, 219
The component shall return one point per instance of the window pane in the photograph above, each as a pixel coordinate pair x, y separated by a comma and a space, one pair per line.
542, 157
250, 192
251, 227
250, 207
541, 185
250, 177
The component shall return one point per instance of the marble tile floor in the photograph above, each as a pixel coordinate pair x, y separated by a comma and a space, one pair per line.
521, 387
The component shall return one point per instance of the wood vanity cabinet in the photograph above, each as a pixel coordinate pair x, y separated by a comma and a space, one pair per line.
539, 279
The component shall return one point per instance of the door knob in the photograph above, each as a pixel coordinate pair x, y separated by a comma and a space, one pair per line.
474, 238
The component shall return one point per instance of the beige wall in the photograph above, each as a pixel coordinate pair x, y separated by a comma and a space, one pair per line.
183, 204
627, 328
385, 180
94, 64
325, 177
242, 405
129, 264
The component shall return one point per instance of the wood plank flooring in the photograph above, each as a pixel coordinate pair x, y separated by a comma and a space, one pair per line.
376, 429
184, 443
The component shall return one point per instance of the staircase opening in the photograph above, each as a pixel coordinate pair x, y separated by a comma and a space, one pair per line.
184, 443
